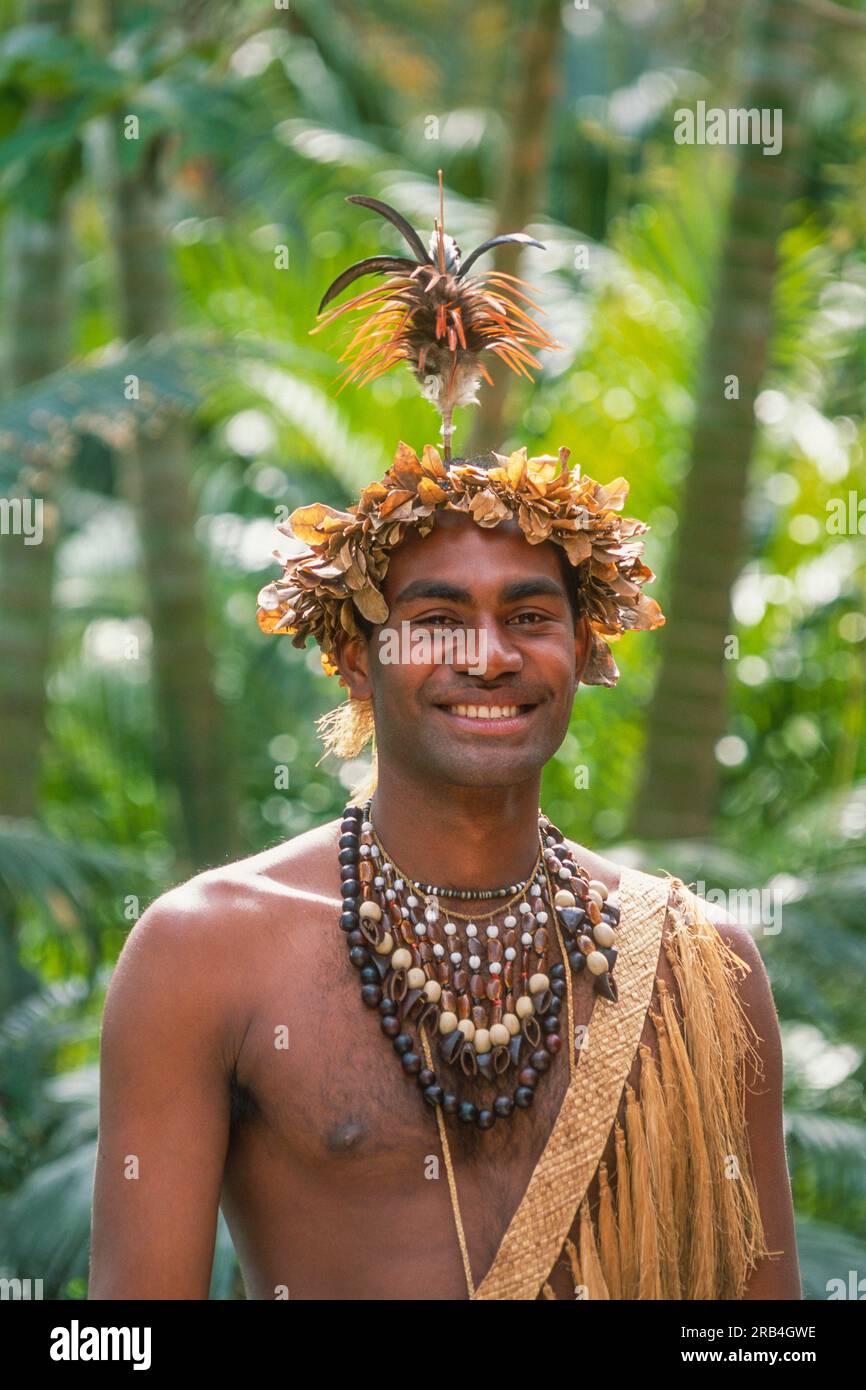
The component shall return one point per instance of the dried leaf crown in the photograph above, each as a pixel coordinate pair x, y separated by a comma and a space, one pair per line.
344, 556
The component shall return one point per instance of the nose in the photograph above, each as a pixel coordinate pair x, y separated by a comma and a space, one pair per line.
495, 653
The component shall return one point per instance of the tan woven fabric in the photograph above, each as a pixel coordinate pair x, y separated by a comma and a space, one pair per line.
541, 1224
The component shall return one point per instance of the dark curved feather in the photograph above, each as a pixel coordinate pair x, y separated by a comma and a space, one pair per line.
399, 221
370, 266
520, 237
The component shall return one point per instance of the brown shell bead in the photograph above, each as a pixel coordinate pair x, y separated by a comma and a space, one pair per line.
448, 1002
496, 1012
476, 984
365, 871
510, 937
508, 974
494, 988
464, 1006
479, 1016
585, 944
540, 941
494, 951
461, 980
593, 912
444, 972
395, 914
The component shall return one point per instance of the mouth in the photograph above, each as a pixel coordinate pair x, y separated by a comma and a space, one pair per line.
489, 718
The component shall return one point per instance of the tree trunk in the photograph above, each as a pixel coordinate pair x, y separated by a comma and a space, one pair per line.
194, 746
521, 186
689, 712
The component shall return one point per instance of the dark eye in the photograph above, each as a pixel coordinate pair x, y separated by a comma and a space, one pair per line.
539, 617
437, 618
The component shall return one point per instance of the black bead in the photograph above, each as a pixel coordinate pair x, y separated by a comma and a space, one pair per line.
348, 878
402, 1043
555, 1006
577, 961
559, 988
356, 937
371, 994
369, 975
556, 972
348, 921
387, 1006
611, 912
426, 1077
503, 1105
350, 904
390, 1025
359, 956
353, 814
523, 1097
550, 1025
347, 857
411, 1063
540, 1060
433, 1095
467, 1112
449, 1103
485, 1119
562, 852
349, 841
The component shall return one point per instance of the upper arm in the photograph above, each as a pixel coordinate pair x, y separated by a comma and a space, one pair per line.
164, 1108
777, 1277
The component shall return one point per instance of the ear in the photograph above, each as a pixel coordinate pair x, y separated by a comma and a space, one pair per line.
582, 646
352, 657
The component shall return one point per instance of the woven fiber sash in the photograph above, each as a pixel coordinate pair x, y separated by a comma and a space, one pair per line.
539, 1227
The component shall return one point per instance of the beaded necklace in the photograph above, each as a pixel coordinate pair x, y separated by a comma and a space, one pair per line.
480, 994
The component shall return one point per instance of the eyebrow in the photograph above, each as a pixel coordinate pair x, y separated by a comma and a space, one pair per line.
532, 587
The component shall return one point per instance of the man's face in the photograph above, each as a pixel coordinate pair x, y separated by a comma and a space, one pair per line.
512, 597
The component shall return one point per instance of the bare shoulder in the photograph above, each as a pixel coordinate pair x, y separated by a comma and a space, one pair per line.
203, 932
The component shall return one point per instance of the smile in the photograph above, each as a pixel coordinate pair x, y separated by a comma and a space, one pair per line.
489, 718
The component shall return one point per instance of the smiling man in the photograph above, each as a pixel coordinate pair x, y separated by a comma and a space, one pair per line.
433, 1049
388, 1056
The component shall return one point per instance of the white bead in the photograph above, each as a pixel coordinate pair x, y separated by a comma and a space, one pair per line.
379, 881
512, 1023
367, 826
416, 978
398, 884
564, 898
495, 967
499, 1035
565, 873
374, 851
599, 887
371, 911
535, 891
538, 983
541, 918
404, 911
594, 896
493, 932
447, 1023
475, 962
482, 1040
390, 894
450, 929
602, 934
524, 907
364, 851
471, 929
456, 957
412, 900
524, 1006
433, 991
438, 950
526, 939
431, 915
510, 921
597, 963
401, 960
510, 953
420, 929
467, 1028
385, 946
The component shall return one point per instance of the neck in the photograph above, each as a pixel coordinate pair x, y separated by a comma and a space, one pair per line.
455, 836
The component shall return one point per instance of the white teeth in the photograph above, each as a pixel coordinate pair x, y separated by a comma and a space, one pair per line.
486, 711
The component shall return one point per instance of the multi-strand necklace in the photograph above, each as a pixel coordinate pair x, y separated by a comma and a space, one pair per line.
486, 986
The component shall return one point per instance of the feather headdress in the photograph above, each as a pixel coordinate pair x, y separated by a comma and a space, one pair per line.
432, 315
